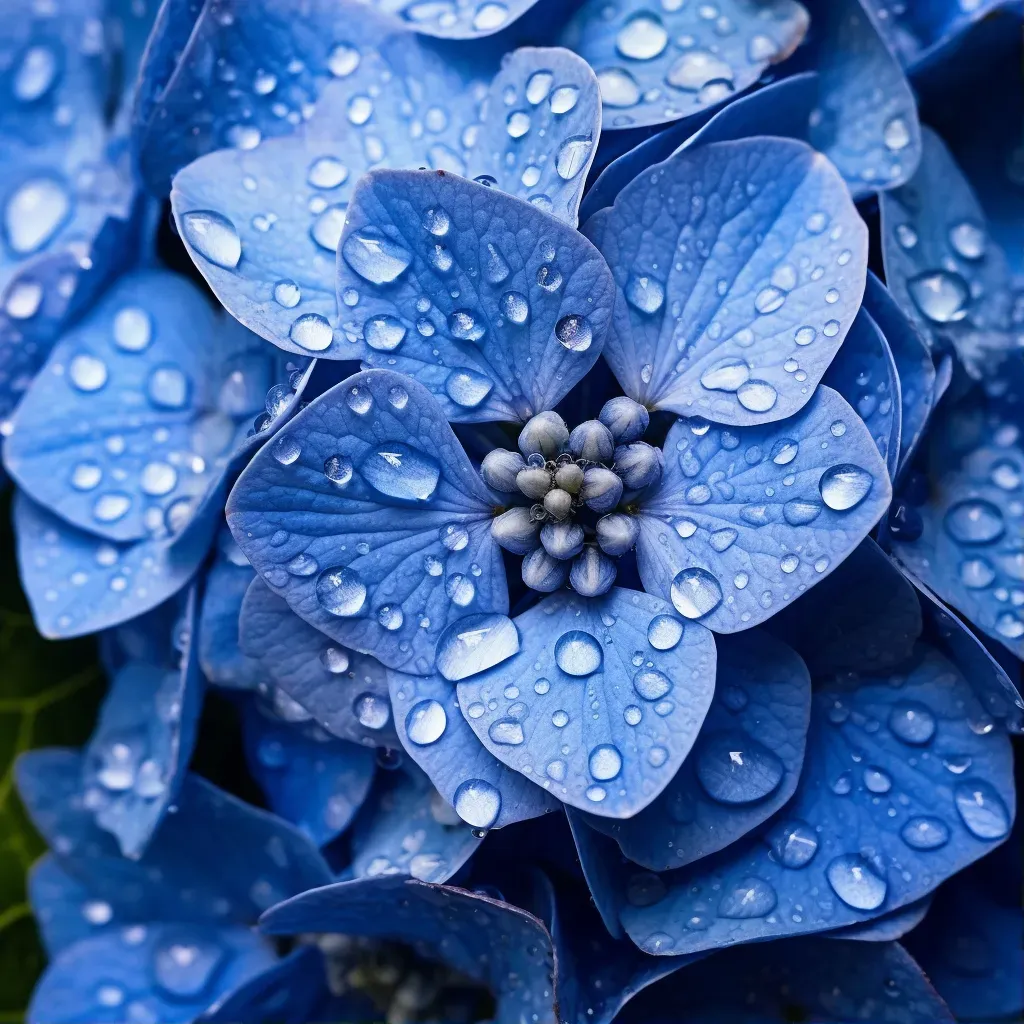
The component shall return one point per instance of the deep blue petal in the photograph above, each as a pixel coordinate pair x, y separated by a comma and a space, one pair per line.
346, 693
78, 583
874, 824
604, 868
740, 267
138, 754
864, 372
914, 366
940, 266
500, 945
437, 736
131, 424
497, 307
364, 514
135, 970
888, 927
602, 701
309, 778
406, 827
62, 908
216, 859
761, 709
747, 519
657, 67
800, 979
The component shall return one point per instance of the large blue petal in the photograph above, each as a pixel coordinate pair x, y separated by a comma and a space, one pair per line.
898, 792
497, 307
138, 754
346, 693
500, 945
939, 264
364, 514
802, 979
600, 704
864, 372
745, 520
437, 736
406, 827
740, 267
78, 583
914, 366
132, 422
310, 779
217, 859
760, 713
657, 67
866, 120
137, 971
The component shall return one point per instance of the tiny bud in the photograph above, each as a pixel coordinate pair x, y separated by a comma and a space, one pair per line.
544, 573
562, 540
569, 477
601, 489
545, 433
639, 465
593, 573
558, 503
499, 470
534, 482
626, 419
516, 530
617, 533
592, 441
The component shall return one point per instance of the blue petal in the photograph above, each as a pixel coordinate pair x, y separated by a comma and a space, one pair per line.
761, 708
866, 120
439, 739
138, 754
647, 77
272, 263
217, 859
464, 19
781, 108
361, 514
801, 979
346, 693
310, 779
62, 908
500, 945
864, 617
941, 268
914, 366
406, 827
603, 867
131, 424
888, 927
77, 583
864, 372
746, 520
650, 676
135, 970
540, 129
497, 307
874, 824
725, 307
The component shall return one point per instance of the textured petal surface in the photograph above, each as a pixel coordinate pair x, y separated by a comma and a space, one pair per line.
497, 307
439, 739
137, 757
657, 67
888, 927
311, 779
838, 856
365, 515
506, 948
346, 693
77, 583
650, 675
740, 267
745, 764
745, 520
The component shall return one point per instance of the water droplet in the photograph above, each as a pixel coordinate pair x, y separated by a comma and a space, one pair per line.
437, 221
490, 16
478, 803
327, 228
794, 844
463, 325
506, 732
695, 592
734, 769
338, 470
645, 293
941, 295
800, 512
467, 387
643, 37
97, 912
876, 781
563, 99
844, 487
696, 68
982, 809
372, 711
515, 307
632, 715
664, 632
214, 237
87, 373
538, 85
327, 172
312, 332
573, 155
360, 110
168, 387
856, 882
343, 60
974, 521
912, 723
474, 644
573, 332
34, 213
397, 470
184, 966
968, 240
651, 685
925, 833
335, 660
895, 134
23, 299
559, 719
35, 74
750, 897
618, 88
605, 762
757, 396
86, 475
375, 258
158, 478
577, 653
517, 124
769, 299
384, 333
340, 591
133, 329
425, 723
725, 375
596, 794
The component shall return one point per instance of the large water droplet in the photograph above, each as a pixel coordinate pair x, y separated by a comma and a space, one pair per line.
34, 213
573, 155
577, 653
538, 86
845, 486
974, 521
563, 99
982, 809
605, 762
856, 882
464, 325
327, 172
794, 844
645, 293
87, 372
573, 332
515, 306
643, 37
384, 333
474, 644
750, 897
925, 833
506, 732
941, 295
327, 228
425, 723
696, 68
467, 387
734, 769
340, 591
312, 332
478, 803
214, 237
651, 685
664, 632
695, 592
968, 240
912, 723
375, 258
618, 88
397, 470
757, 396
371, 710
725, 375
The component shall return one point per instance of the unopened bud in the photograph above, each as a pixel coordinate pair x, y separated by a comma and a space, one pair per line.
593, 573
516, 530
562, 540
601, 489
545, 433
592, 441
534, 482
626, 419
617, 533
499, 470
558, 503
569, 477
639, 465
544, 573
